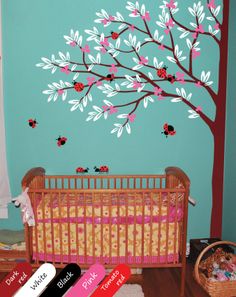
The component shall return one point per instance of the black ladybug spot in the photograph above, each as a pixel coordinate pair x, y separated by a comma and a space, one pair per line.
170, 128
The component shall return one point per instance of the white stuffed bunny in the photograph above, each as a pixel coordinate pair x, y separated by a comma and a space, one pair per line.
23, 201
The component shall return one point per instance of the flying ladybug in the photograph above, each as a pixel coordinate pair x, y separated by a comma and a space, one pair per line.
114, 35
61, 140
82, 170
168, 130
110, 77
162, 73
171, 78
78, 86
32, 123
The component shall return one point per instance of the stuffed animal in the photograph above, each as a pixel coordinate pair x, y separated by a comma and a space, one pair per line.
23, 201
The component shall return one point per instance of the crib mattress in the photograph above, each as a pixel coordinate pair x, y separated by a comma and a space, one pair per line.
81, 229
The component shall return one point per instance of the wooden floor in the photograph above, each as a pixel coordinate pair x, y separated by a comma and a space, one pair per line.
164, 282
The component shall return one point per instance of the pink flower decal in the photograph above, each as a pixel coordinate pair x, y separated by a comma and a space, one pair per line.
211, 4
170, 24
104, 21
198, 84
217, 26
167, 31
86, 49
180, 77
65, 70
160, 97
113, 69
135, 12
195, 54
194, 35
103, 50
98, 83
113, 109
111, 18
146, 17
105, 107
131, 117
157, 91
171, 4
105, 42
90, 80
143, 61
60, 92
137, 84
199, 109
73, 43
161, 47
200, 29
132, 28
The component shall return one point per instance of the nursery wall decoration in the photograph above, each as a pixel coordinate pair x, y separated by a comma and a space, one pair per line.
162, 54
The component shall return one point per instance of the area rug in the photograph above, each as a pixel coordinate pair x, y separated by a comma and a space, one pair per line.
130, 291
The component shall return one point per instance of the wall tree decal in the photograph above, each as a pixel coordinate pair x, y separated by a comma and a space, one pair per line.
145, 78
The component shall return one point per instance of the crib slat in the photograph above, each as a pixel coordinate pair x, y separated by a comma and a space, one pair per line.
52, 228
60, 227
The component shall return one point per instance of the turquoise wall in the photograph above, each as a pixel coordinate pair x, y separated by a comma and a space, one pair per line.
229, 217
35, 29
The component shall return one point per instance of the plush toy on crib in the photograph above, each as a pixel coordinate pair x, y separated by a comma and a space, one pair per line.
23, 201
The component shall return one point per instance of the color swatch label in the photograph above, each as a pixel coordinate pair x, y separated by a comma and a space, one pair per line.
113, 281
88, 282
37, 283
15, 279
63, 282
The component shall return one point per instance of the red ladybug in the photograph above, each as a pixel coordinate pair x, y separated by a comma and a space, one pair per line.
32, 123
81, 170
61, 140
103, 168
171, 78
110, 77
78, 86
168, 130
162, 73
114, 35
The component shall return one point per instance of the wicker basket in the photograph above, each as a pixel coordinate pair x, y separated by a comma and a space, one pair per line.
214, 289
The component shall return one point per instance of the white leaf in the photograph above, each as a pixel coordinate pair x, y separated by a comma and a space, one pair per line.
189, 43
97, 117
191, 11
118, 43
120, 131
171, 59
128, 128
114, 130
92, 59
183, 35
183, 93
75, 76
150, 75
175, 100
98, 59
108, 103
122, 116
201, 18
98, 109
178, 92
90, 67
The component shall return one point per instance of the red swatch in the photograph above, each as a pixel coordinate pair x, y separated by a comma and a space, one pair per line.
15, 279
113, 281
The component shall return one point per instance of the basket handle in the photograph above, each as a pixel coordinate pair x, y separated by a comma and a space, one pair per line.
196, 271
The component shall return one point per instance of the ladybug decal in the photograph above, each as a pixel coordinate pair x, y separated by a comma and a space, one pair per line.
82, 170
168, 130
32, 123
171, 78
61, 140
78, 86
162, 73
114, 35
101, 169
110, 77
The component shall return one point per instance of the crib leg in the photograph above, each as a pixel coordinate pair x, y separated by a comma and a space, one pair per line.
183, 273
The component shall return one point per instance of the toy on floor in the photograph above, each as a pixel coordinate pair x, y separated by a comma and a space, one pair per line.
220, 266
23, 201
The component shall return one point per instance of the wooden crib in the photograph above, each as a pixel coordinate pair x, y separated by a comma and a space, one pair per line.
139, 220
